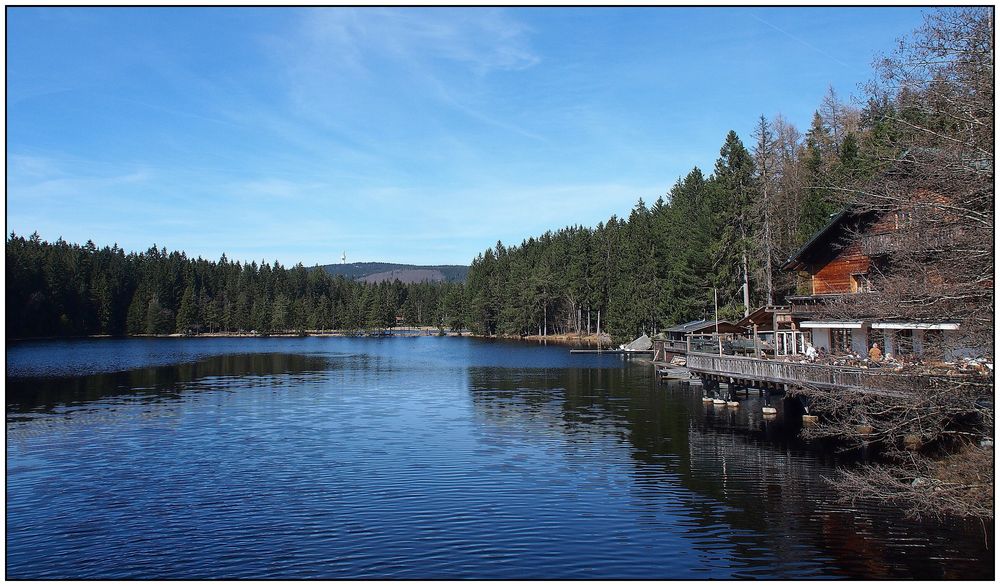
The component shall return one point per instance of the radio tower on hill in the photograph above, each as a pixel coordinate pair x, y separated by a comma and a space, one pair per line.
343, 258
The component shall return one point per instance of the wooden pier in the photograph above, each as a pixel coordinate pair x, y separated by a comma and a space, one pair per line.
780, 375
608, 351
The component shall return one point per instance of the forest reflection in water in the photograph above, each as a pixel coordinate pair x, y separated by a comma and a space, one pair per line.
774, 486
44, 393
432, 458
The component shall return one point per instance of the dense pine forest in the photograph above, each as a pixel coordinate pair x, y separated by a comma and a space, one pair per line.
61, 289
727, 232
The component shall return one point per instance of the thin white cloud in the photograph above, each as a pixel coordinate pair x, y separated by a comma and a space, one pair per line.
800, 40
272, 188
483, 39
33, 177
32, 166
389, 64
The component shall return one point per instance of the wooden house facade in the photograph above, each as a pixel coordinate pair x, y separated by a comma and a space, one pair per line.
837, 261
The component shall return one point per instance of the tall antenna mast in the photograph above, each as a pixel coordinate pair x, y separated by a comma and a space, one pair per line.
343, 258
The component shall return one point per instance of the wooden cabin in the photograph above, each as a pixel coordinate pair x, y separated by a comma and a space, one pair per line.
775, 331
836, 262
698, 335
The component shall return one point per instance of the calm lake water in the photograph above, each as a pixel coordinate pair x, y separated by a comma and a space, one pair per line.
429, 458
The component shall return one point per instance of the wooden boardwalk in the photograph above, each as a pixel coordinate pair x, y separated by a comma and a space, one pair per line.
609, 351
779, 375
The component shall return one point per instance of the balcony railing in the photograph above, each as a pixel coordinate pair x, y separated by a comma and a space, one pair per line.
909, 240
876, 244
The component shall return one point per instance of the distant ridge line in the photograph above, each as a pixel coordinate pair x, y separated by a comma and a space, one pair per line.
376, 272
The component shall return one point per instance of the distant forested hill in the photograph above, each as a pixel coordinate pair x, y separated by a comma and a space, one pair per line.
63, 289
376, 272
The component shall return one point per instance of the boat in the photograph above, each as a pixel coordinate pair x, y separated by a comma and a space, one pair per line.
640, 345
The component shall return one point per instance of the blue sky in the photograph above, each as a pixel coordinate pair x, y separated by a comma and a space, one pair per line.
402, 135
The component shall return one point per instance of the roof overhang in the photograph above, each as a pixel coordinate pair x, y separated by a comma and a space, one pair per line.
797, 262
853, 325
887, 325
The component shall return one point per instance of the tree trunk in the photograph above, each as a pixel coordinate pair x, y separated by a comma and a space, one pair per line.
746, 286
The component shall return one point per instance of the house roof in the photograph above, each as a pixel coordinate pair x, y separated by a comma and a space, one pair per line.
698, 325
759, 314
824, 241
797, 260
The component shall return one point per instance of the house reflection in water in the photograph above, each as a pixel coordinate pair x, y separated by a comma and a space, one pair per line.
727, 470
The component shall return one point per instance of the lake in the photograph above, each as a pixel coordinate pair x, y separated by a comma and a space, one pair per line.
429, 458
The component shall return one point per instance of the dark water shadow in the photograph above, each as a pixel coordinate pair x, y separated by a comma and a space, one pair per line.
47, 393
754, 475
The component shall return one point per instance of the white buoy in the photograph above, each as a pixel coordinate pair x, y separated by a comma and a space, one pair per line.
769, 410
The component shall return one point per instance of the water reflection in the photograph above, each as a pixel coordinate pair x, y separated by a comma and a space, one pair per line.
428, 458
757, 486
161, 382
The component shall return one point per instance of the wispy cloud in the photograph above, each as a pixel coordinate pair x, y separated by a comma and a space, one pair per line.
485, 40
343, 63
271, 188
32, 176
30, 166
799, 40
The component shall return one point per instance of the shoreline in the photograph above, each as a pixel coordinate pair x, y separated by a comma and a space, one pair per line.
401, 332
389, 332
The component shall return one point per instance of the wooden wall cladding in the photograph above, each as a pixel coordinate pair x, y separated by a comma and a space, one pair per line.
835, 275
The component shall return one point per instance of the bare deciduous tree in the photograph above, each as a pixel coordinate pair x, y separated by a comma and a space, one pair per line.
764, 163
930, 142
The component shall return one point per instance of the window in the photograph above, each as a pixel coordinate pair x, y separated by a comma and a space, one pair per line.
801, 339
791, 342
904, 342
860, 283
840, 340
933, 344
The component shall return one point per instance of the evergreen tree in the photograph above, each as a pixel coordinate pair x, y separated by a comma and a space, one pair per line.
819, 204
734, 190
187, 314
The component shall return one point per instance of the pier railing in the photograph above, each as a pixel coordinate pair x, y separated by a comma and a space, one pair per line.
672, 345
753, 371
663, 348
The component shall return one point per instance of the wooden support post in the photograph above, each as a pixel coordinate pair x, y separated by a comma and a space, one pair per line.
767, 408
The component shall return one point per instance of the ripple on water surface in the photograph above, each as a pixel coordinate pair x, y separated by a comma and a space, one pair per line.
420, 458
